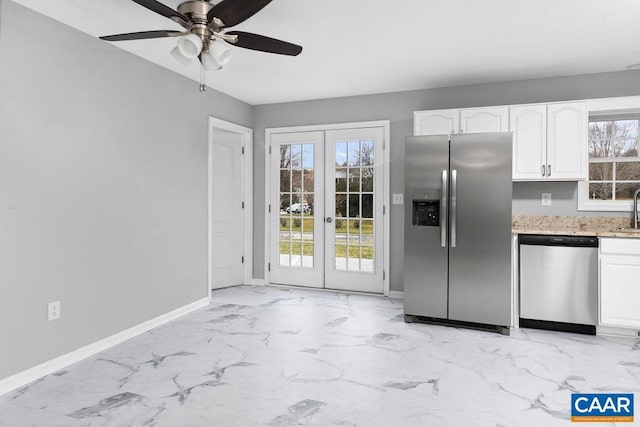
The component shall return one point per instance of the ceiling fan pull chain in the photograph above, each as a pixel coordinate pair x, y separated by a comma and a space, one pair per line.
203, 86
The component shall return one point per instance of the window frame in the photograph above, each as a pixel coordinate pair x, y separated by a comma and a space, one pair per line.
611, 109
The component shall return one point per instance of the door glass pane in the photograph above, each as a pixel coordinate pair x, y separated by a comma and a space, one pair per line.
296, 156
354, 179
366, 261
353, 156
307, 178
307, 206
307, 156
341, 205
354, 205
354, 210
367, 179
367, 206
296, 180
296, 237
285, 202
341, 154
341, 257
285, 180
285, 253
307, 255
341, 180
366, 153
285, 156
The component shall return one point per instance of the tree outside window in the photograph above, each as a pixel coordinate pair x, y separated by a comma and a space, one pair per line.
614, 164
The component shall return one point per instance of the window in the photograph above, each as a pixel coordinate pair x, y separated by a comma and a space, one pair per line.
614, 165
614, 162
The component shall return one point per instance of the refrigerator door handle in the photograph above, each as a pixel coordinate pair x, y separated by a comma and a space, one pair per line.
443, 210
454, 202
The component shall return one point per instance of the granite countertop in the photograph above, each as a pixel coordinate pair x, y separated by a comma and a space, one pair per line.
599, 226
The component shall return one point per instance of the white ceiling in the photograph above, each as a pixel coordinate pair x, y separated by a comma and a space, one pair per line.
354, 47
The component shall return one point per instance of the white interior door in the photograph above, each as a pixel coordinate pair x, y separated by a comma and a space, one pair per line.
354, 207
327, 209
227, 231
297, 209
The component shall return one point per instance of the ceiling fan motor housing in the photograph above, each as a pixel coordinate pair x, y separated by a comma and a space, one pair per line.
196, 10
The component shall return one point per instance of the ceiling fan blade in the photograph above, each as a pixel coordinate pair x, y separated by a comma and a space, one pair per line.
142, 35
264, 43
163, 10
233, 12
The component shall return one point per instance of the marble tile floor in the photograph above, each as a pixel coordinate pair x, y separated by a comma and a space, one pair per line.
271, 356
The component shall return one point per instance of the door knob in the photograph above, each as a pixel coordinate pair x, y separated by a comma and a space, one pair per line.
329, 220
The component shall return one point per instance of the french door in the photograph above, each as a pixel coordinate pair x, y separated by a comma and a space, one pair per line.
327, 209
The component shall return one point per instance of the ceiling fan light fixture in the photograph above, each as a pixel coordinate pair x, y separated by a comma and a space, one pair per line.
220, 53
190, 46
209, 63
178, 56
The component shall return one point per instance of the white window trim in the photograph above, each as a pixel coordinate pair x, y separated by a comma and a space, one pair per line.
601, 107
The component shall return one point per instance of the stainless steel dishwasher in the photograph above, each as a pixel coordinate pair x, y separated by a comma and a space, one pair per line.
559, 283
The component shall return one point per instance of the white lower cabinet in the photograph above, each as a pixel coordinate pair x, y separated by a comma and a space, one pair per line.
620, 283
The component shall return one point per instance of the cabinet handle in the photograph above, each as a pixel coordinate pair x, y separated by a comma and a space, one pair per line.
548, 170
544, 171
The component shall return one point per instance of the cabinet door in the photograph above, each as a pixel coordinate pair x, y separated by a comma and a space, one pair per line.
567, 141
620, 290
477, 120
529, 126
436, 122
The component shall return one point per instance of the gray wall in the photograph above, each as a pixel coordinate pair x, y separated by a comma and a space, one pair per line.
399, 107
103, 188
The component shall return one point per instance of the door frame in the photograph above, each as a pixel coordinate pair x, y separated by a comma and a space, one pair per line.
386, 196
246, 136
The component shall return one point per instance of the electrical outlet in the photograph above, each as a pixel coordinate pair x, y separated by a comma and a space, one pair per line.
546, 199
398, 199
54, 310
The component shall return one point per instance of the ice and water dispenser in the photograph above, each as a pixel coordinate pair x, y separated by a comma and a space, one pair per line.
426, 208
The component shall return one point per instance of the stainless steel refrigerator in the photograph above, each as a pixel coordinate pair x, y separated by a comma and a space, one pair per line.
457, 236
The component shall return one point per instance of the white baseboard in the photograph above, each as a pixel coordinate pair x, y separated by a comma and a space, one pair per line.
396, 294
259, 282
617, 332
25, 377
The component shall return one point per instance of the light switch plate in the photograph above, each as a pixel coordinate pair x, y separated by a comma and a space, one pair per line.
546, 199
398, 199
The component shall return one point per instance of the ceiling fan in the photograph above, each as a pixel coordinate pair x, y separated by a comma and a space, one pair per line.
204, 23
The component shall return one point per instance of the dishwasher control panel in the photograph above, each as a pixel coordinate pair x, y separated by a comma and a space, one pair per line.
549, 240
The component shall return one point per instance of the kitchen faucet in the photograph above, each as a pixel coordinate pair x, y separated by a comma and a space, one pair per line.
635, 208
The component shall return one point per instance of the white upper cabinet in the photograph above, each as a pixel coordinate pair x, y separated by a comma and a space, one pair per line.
549, 142
436, 122
466, 120
529, 126
478, 120
567, 151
